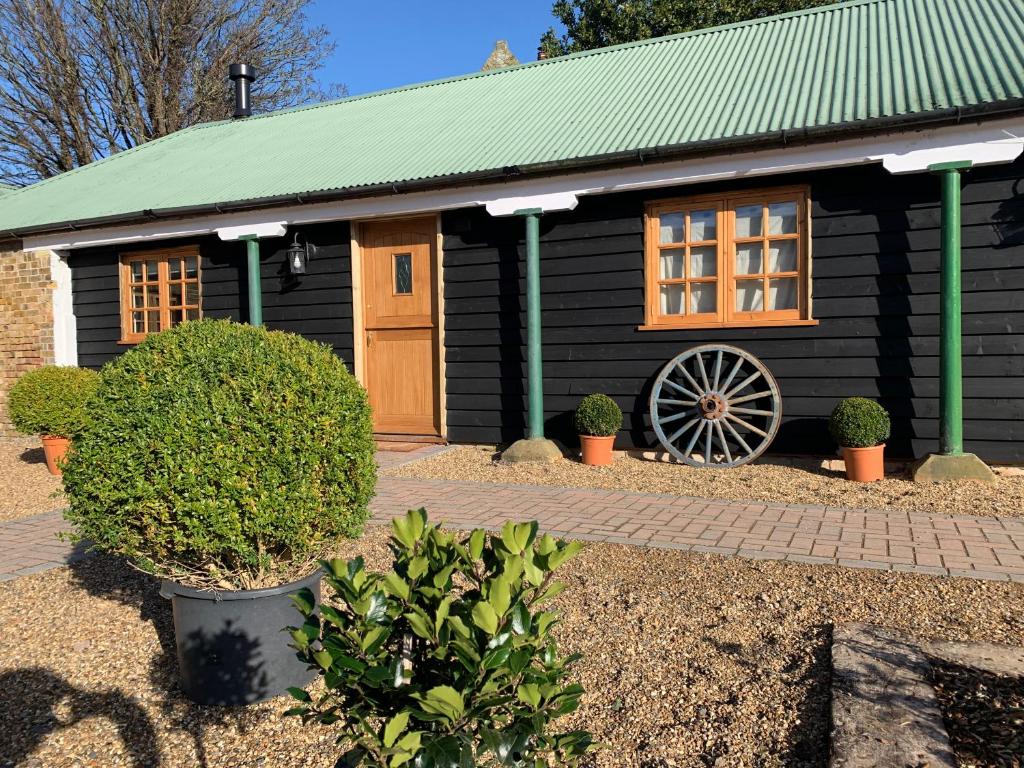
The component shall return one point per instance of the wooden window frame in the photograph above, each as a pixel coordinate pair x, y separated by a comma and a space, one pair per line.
162, 257
726, 316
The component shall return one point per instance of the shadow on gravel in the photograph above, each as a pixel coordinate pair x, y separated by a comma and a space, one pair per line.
35, 703
33, 456
111, 578
810, 738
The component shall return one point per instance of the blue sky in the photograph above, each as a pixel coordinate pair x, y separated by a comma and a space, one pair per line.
387, 43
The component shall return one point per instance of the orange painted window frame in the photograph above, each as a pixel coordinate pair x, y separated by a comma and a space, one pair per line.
725, 205
162, 286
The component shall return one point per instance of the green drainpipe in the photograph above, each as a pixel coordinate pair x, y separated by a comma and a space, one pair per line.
534, 361
951, 416
252, 252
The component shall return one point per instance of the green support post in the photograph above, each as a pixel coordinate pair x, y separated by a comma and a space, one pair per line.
951, 427
950, 463
252, 252
534, 355
535, 447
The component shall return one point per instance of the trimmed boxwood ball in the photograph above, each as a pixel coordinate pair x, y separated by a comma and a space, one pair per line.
598, 415
52, 400
222, 454
859, 423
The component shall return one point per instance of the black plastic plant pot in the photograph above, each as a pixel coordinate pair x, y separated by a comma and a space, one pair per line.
231, 647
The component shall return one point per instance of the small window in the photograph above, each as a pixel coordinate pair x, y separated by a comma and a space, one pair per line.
403, 273
159, 289
736, 260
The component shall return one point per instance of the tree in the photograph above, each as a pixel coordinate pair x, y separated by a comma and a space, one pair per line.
598, 23
83, 79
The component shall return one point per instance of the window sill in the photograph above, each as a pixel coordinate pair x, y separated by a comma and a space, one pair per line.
731, 324
129, 342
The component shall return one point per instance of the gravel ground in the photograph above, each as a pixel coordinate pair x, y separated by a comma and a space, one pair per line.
690, 660
984, 714
26, 487
757, 482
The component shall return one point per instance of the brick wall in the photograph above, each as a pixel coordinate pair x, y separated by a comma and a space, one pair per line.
26, 318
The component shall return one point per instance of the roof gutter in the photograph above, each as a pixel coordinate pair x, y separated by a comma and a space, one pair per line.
773, 139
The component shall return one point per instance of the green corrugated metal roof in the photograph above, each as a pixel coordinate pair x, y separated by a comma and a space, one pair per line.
865, 62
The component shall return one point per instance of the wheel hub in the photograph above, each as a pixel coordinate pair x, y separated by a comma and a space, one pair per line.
711, 406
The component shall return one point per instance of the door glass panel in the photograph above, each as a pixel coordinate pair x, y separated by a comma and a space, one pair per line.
192, 314
174, 269
703, 261
191, 266
748, 220
672, 264
703, 298
671, 225
703, 225
672, 299
782, 293
403, 273
176, 317
151, 271
153, 321
191, 293
174, 294
748, 258
749, 295
782, 256
782, 218
138, 296
138, 322
136, 271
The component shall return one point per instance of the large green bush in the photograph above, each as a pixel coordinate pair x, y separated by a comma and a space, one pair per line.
52, 400
598, 415
222, 453
859, 423
447, 660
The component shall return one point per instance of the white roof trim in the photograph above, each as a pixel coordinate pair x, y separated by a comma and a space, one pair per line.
246, 231
983, 143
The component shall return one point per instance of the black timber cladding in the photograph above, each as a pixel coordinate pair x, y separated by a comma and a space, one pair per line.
875, 281
317, 304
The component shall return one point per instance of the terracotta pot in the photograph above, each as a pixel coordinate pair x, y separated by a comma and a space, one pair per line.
597, 451
54, 448
865, 465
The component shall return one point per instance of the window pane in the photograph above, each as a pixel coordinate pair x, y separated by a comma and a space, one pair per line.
704, 261
749, 258
191, 293
672, 264
138, 323
153, 322
782, 218
672, 299
671, 227
749, 295
136, 271
782, 293
703, 297
174, 269
782, 256
174, 294
403, 273
138, 296
748, 220
176, 317
152, 270
191, 314
703, 225
191, 266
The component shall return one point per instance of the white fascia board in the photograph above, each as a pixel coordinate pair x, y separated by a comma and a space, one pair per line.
65, 326
249, 231
992, 141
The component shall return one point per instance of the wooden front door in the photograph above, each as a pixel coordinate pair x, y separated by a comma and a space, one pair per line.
399, 273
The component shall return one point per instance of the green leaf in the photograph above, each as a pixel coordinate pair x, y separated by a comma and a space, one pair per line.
544, 621
301, 694
304, 600
521, 620
508, 537
497, 657
554, 589
417, 567
529, 693
525, 533
396, 725
396, 585
499, 595
476, 543
419, 625
442, 613
377, 608
485, 617
457, 624
323, 658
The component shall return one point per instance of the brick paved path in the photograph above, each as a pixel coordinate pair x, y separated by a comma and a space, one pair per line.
977, 547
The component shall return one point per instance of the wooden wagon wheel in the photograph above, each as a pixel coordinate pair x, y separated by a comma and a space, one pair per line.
715, 406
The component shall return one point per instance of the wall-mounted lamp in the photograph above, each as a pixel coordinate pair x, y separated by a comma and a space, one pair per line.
298, 256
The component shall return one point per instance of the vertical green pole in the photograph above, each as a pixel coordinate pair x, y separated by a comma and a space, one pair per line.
252, 253
534, 362
951, 418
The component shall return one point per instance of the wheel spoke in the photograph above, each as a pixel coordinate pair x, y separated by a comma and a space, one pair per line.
721, 439
693, 441
707, 443
746, 425
703, 372
750, 411
718, 370
748, 398
732, 374
689, 378
684, 390
679, 433
669, 401
746, 382
675, 417
739, 439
